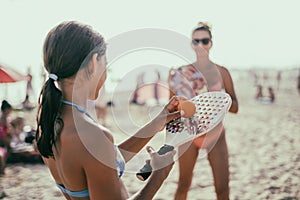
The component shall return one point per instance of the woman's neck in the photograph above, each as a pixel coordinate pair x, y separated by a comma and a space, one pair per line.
203, 58
77, 95
202, 62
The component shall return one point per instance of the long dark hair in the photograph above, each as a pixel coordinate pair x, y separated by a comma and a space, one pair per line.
67, 48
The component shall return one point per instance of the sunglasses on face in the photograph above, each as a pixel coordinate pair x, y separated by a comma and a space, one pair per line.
204, 41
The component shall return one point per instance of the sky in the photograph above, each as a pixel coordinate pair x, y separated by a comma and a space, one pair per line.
246, 33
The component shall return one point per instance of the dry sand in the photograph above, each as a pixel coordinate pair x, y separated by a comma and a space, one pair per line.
263, 142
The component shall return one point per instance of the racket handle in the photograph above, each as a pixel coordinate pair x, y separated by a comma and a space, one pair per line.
146, 171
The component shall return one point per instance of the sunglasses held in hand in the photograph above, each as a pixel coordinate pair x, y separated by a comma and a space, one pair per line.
204, 41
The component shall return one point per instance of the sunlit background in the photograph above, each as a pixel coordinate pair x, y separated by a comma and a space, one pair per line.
246, 34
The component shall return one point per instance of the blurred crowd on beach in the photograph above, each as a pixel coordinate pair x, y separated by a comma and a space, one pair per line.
17, 133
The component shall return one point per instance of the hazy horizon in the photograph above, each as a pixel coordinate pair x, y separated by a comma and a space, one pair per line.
246, 34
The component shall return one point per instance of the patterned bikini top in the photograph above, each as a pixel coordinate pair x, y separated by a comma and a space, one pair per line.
187, 81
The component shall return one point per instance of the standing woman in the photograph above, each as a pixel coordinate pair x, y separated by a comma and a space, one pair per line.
79, 152
217, 78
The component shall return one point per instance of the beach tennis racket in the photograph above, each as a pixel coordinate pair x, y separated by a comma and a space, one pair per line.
211, 108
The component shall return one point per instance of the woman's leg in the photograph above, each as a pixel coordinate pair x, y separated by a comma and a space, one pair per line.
218, 159
188, 156
124, 192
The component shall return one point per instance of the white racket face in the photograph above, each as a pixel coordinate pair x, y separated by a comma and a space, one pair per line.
211, 108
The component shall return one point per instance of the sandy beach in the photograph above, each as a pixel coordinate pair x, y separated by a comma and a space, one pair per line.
263, 141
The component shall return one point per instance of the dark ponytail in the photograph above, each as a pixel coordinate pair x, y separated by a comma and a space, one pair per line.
49, 118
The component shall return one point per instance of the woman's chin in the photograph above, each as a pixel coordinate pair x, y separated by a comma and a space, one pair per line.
93, 98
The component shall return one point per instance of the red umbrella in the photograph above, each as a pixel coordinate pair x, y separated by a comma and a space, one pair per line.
8, 75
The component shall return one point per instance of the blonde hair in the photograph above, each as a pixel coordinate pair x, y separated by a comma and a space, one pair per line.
203, 26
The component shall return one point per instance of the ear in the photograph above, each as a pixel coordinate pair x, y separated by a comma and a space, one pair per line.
93, 63
211, 43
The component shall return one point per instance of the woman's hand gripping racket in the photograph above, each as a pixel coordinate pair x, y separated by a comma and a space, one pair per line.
210, 110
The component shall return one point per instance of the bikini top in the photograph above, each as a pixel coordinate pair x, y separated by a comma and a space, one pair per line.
189, 82
120, 162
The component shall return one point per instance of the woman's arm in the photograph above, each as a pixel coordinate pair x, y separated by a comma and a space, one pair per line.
229, 88
135, 143
102, 176
150, 189
162, 165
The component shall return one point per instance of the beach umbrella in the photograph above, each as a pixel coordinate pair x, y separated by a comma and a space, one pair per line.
8, 75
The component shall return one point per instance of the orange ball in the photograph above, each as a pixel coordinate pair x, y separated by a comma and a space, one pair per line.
188, 107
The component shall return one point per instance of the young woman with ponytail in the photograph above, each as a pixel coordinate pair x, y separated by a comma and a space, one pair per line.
80, 153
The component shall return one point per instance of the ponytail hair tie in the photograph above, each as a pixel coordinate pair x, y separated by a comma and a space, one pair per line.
53, 77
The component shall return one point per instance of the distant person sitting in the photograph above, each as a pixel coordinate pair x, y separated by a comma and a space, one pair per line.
16, 132
6, 109
270, 98
21, 148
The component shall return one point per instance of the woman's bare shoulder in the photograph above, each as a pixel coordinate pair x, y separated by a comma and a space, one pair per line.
89, 143
223, 70
87, 129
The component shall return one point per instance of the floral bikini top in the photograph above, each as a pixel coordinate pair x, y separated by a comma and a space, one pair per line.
187, 81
